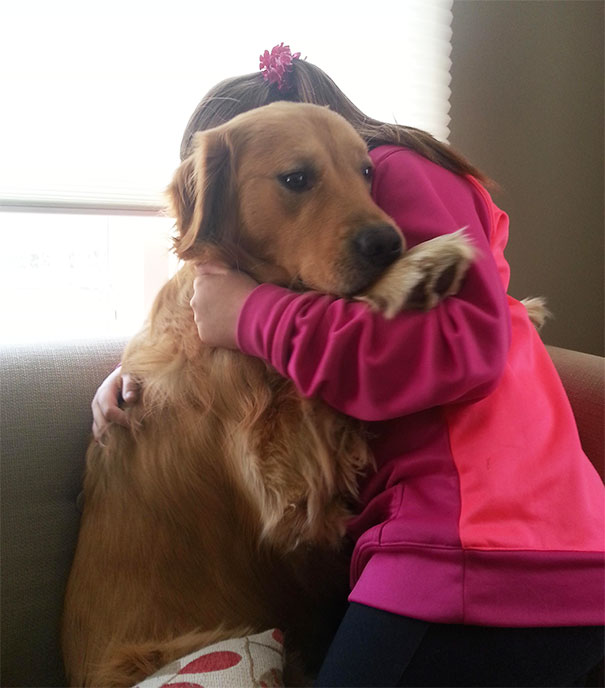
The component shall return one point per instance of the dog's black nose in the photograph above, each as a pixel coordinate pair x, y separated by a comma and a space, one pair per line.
378, 246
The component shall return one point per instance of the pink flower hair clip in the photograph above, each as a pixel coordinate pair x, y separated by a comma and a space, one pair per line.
276, 64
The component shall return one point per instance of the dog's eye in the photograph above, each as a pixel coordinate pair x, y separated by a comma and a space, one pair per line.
296, 181
368, 172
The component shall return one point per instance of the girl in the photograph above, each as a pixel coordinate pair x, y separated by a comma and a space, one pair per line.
479, 540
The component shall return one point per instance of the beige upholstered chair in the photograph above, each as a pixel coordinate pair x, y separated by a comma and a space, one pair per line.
45, 425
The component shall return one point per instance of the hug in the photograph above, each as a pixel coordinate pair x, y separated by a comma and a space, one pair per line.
337, 422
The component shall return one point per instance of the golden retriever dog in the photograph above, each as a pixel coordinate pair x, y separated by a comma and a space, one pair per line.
222, 510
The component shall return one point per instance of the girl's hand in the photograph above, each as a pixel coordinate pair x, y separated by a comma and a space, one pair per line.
105, 407
218, 296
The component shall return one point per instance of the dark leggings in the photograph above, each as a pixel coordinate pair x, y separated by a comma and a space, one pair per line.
377, 648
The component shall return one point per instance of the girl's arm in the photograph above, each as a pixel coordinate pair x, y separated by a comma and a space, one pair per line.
106, 402
375, 369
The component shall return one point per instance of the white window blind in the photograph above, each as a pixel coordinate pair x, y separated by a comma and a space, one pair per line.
95, 95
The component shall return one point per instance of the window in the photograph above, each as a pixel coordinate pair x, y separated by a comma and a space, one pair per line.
72, 276
95, 99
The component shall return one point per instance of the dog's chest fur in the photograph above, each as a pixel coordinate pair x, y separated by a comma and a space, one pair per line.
226, 504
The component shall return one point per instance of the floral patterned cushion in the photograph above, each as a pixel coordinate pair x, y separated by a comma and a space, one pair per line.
255, 661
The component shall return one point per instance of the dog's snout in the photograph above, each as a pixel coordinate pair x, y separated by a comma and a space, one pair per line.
378, 246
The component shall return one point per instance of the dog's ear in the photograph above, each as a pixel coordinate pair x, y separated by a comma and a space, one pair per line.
200, 193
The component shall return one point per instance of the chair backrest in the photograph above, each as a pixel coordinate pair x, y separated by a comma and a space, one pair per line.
583, 376
45, 424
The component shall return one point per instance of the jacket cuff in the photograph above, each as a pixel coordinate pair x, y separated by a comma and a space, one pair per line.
262, 306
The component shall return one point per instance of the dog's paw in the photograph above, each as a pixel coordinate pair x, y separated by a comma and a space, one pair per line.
424, 276
442, 264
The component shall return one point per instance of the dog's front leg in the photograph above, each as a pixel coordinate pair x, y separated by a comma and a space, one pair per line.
424, 276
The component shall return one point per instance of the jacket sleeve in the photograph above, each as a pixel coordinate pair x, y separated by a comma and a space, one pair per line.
376, 369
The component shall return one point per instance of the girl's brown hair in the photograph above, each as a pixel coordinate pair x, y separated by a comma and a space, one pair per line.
309, 84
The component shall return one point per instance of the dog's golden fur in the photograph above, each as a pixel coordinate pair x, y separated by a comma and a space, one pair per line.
223, 508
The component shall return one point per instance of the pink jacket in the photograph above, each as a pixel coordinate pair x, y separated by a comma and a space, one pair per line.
483, 508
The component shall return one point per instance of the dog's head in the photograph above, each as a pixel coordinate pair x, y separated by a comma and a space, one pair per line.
283, 192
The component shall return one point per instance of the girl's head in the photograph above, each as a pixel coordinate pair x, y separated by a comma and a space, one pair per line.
307, 83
